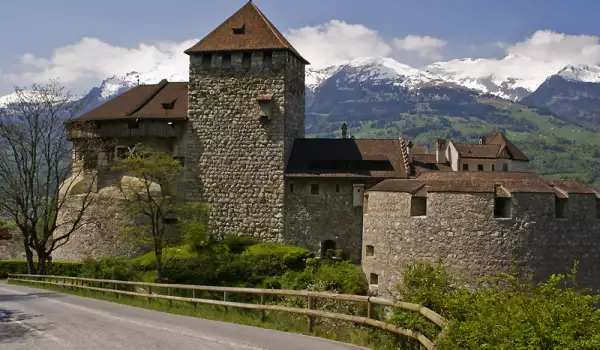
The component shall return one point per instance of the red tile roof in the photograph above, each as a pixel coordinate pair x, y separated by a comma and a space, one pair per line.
158, 101
499, 139
466, 150
500, 183
257, 33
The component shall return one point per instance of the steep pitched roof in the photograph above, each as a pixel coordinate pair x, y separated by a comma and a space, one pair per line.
164, 100
499, 139
348, 158
256, 33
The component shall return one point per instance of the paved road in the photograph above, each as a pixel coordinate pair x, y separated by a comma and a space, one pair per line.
38, 319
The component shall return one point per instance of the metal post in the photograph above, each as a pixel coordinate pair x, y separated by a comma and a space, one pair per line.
262, 312
310, 318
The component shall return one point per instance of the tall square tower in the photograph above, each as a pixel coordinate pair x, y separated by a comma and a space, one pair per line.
246, 107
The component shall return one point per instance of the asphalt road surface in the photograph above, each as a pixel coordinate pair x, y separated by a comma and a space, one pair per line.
38, 319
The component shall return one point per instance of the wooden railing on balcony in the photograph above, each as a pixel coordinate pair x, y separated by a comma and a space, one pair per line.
159, 129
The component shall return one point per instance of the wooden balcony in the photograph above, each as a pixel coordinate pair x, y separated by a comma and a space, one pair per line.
120, 129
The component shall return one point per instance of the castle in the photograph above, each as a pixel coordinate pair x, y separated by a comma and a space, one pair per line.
238, 128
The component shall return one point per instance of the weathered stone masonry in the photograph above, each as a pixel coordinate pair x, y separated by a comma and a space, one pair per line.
240, 156
460, 228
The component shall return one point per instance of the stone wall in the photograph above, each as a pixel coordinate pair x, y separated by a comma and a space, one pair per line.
311, 219
12, 249
102, 232
237, 159
460, 228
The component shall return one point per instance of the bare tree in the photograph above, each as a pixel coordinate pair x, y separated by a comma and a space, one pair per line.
36, 171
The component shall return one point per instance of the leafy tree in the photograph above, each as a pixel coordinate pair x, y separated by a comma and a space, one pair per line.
36, 171
152, 200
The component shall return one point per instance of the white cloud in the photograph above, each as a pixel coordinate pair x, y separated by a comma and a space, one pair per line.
337, 41
426, 47
531, 60
93, 59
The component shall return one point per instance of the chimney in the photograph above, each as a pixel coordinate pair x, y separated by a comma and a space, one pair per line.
440, 151
482, 140
409, 151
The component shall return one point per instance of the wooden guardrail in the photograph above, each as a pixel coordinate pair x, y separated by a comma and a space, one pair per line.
310, 311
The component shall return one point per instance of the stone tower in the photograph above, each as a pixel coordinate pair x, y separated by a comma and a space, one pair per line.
246, 107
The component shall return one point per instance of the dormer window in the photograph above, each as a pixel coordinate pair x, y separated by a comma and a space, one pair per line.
240, 30
169, 105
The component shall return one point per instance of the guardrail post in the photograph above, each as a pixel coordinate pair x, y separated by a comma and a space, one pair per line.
194, 297
169, 293
262, 312
225, 299
149, 293
369, 309
310, 318
117, 288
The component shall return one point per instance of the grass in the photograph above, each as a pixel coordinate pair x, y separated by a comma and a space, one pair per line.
343, 331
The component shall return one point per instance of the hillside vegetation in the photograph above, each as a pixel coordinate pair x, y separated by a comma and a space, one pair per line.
556, 148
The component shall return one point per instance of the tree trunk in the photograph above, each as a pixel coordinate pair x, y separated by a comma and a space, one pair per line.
159, 267
28, 256
41, 268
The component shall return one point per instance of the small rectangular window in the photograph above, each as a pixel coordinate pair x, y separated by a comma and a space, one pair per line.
493, 167
314, 189
560, 207
268, 59
418, 206
370, 250
291, 188
337, 188
479, 167
466, 167
247, 60
374, 279
226, 61
502, 208
206, 60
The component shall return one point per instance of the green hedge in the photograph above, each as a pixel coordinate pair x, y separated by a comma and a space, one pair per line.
55, 268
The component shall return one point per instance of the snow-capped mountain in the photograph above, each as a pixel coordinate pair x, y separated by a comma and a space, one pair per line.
374, 70
583, 73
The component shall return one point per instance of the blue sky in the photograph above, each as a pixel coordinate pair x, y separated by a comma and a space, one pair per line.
481, 28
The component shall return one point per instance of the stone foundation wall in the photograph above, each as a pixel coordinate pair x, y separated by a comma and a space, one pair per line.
461, 230
12, 249
102, 234
311, 219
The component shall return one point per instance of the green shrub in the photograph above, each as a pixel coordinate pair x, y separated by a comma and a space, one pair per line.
337, 276
58, 268
121, 269
237, 244
504, 312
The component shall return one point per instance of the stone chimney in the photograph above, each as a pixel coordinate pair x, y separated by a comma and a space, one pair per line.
409, 147
482, 140
440, 151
